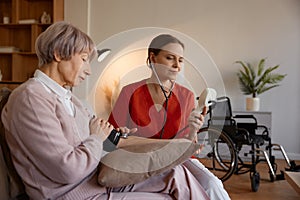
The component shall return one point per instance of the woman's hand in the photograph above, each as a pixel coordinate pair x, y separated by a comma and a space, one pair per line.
195, 122
101, 127
126, 130
199, 150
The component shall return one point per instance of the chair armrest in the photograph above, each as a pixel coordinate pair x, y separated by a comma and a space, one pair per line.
245, 133
244, 116
265, 132
251, 117
222, 119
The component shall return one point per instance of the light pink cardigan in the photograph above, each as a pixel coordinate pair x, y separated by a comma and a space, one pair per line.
52, 151
57, 157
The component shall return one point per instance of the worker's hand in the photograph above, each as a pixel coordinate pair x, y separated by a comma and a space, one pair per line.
199, 150
126, 130
196, 121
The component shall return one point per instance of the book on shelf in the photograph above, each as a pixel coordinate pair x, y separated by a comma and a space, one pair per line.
28, 21
8, 49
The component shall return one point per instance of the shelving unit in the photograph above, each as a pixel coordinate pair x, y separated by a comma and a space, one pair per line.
18, 65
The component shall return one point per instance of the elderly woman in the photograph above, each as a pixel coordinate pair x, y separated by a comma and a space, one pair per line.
56, 143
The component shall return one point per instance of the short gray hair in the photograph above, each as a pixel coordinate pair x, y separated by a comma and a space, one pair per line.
63, 39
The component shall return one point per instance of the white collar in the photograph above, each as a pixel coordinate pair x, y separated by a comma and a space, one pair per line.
51, 85
62, 93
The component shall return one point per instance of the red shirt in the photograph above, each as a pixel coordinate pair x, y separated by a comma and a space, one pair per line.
135, 108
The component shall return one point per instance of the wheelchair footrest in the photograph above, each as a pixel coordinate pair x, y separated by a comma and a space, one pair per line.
280, 176
293, 167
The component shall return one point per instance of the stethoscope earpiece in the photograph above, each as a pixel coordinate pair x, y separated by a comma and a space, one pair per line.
150, 65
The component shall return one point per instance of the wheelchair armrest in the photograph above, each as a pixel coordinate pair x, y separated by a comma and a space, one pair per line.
265, 132
245, 133
245, 117
262, 127
221, 119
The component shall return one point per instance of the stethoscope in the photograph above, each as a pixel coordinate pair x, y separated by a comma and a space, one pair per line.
207, 98
167, 97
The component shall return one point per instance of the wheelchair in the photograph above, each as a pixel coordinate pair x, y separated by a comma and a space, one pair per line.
225, 138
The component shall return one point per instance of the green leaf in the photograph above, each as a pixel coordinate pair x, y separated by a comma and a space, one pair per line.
254, 81
261, 67
264, 89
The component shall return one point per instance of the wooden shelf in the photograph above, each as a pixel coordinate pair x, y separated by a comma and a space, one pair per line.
17, 66
10, 82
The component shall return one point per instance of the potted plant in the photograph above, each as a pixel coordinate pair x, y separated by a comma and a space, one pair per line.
257, 80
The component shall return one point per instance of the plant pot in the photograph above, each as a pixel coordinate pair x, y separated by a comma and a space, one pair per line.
252, 104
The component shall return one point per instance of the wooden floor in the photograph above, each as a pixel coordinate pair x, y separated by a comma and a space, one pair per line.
239, 186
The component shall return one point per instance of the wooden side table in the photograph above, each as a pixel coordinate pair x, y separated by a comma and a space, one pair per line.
293, 178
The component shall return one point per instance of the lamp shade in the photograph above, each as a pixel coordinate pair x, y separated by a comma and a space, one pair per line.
102, 54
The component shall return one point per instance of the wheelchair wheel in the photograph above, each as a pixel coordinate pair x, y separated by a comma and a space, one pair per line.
218, 153
255, 179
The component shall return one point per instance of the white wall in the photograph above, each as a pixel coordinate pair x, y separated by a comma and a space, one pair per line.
76, 12
229, 30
